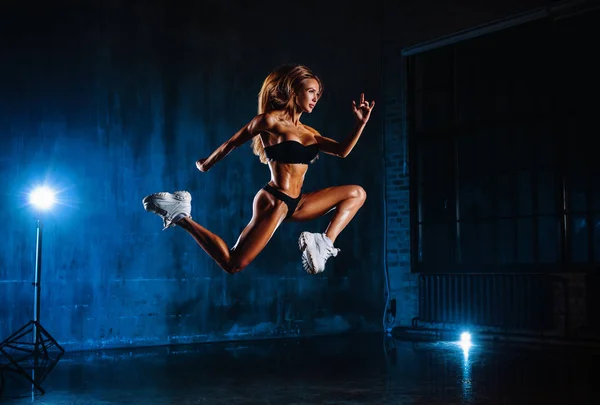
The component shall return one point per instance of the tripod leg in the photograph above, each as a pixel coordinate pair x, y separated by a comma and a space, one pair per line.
17, 335
43, 332
39, 342
22, 371
48, 366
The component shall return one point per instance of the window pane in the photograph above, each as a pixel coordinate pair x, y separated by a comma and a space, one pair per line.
579, 239
467, 178
467, 156
525, 240
547, 196
434, 110
468, 242
484, 149
576, 191
438, 245
545, 145
595, 189
420, 237
524, 193
433, 203
504, 155
469, 199
522, 147
548, 239
597, 237
437, 188
432, 70
505, 195
484, 171
485, 242
505, 237
486, 197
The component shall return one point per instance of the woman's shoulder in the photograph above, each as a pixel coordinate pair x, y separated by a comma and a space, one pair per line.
264, 121
271, 118
311, 130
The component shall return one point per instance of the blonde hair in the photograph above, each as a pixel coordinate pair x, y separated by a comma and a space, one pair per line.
276, 94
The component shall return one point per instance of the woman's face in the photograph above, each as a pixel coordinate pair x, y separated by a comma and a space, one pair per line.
308, 95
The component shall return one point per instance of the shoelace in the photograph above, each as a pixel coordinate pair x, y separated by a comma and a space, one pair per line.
331, 251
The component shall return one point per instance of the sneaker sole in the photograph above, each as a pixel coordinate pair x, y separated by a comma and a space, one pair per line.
308, 263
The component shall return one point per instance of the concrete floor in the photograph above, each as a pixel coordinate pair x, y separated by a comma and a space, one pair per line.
364, 369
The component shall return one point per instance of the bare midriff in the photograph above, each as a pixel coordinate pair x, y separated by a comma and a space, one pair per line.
288, 177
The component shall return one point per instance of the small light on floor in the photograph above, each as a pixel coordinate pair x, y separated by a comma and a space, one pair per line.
465, 341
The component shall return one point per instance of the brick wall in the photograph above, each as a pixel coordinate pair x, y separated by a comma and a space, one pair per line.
403, 285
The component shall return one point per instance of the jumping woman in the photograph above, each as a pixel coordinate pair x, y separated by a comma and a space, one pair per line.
287, 146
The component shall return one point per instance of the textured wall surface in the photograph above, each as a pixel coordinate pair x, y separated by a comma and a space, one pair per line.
111, 101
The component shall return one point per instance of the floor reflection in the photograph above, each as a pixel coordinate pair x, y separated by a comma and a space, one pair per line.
363, 369
27, 372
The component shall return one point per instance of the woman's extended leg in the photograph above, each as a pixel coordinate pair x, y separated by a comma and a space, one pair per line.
267, 214
317, 248
345, 200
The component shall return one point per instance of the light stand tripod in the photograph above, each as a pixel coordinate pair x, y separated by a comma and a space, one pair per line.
42, 339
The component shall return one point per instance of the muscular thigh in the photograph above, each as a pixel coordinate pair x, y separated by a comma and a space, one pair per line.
267, 214
318, 203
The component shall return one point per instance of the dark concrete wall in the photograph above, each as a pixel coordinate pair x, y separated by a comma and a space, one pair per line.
110, 101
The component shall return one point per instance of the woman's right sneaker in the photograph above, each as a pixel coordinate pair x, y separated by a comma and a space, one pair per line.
171, 207
316, 249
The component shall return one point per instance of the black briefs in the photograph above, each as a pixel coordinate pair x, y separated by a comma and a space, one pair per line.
291, 203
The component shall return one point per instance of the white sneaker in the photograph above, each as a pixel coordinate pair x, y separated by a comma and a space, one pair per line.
316, 249
171, 207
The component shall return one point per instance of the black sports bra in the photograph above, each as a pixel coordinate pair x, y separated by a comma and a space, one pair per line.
292, 152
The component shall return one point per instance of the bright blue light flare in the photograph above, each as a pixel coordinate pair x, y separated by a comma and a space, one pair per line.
42, 198
465, 343
465, 338
467, 382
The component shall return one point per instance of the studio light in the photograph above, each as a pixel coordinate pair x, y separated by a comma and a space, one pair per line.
42, 199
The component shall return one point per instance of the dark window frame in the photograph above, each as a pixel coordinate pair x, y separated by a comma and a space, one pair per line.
562, 216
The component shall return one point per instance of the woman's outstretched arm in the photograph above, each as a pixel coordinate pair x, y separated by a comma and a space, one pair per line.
260, 123
342, 149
